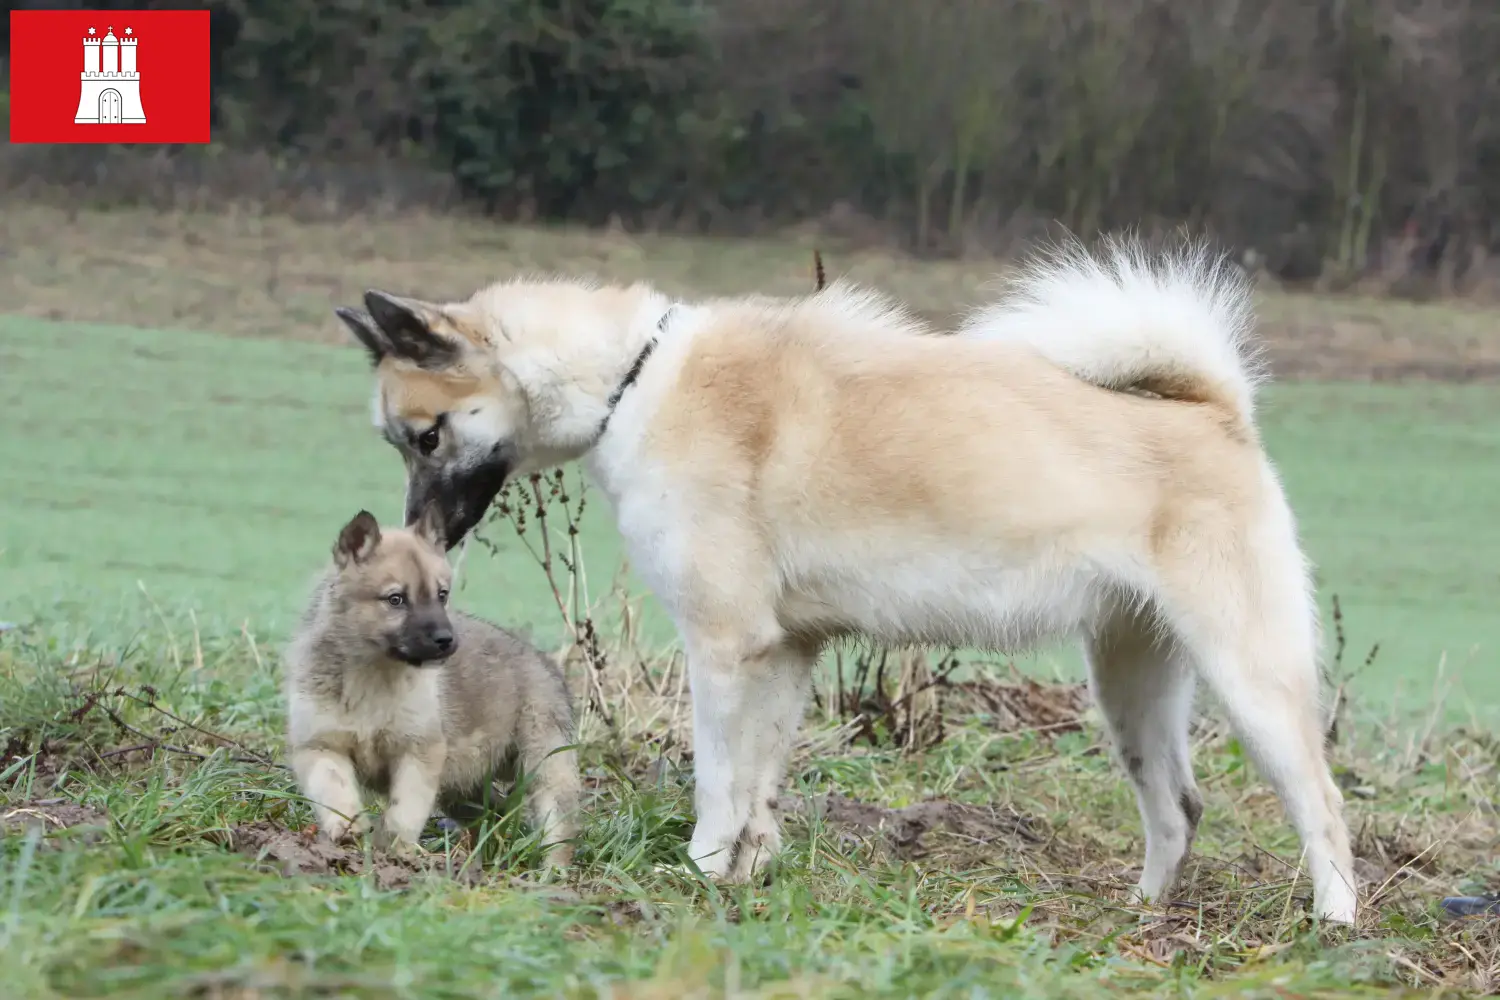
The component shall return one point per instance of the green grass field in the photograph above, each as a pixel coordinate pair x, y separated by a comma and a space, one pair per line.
168, 495
152, 479
212, 473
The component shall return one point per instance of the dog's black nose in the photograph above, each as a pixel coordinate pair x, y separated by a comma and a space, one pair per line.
443, 639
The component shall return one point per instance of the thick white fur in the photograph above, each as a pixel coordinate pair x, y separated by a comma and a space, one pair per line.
787, 472
1118, 318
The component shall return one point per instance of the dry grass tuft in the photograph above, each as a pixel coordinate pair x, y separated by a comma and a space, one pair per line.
245, 272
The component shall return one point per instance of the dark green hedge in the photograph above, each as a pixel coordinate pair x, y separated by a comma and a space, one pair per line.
1307, 129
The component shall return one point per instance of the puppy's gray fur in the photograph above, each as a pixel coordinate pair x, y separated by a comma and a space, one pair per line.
389, 691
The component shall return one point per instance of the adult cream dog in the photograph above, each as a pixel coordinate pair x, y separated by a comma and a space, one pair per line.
1079, 458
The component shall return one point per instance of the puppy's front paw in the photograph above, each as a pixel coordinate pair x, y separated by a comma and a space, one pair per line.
406, 850
559, 857
334, 829
397, 842
362, 825
342, 832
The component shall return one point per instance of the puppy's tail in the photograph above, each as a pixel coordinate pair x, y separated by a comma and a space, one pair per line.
1176, 324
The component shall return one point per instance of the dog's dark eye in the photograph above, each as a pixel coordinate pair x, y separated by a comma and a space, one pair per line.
428, 442
442, 596
395, 600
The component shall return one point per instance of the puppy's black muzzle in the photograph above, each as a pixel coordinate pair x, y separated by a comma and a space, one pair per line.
427, 643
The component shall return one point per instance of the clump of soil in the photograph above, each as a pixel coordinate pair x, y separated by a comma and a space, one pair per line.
302, 852
904, 829
51, 815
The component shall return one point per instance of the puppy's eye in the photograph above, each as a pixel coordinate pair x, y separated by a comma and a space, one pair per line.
428, 442
395, 600
443, 595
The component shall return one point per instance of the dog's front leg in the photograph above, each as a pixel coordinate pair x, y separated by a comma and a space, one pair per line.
747, 699
415, 782
777, 686
721, 717
328, 781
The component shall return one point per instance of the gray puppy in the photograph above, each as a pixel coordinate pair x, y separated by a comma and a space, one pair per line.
388, 690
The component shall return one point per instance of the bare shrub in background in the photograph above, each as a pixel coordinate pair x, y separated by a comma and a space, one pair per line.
1331, 137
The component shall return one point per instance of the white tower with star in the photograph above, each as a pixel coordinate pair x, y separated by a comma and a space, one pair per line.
111, 92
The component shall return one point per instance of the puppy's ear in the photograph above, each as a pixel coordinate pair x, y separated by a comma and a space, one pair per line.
357, 541
362, 325
429, 526
408, 326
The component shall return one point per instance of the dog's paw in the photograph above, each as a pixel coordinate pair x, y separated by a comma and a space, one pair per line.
559, 858
396, 843
334, 830
343, 832
758, 874
406, 850
693, 872
403, 849
755, 860
716, 865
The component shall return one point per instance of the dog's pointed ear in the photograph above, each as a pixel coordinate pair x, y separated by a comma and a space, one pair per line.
362, 325
408, 325
358, 540
429, 526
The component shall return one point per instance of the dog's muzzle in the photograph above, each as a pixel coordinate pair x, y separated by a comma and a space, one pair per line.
462, 496
428, 650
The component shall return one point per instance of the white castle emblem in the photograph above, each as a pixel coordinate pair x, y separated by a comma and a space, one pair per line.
111, 86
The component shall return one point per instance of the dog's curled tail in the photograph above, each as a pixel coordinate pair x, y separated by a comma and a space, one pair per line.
1177, 324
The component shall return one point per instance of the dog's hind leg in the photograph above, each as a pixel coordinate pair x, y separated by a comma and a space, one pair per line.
1143, 683
780, 689
1247, 614
554, 794
1278, 723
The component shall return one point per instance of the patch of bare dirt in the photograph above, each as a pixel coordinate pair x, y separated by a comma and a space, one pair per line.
302, 852
51, 815
1386, 855
904, 829
49, 764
